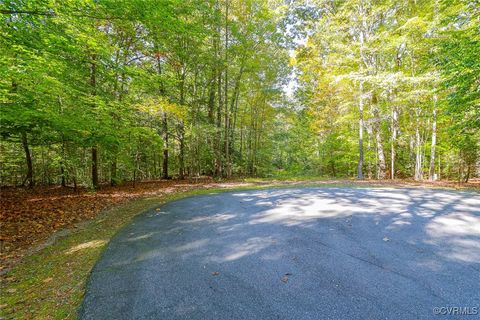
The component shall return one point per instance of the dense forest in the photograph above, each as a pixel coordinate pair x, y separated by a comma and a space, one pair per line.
96, 92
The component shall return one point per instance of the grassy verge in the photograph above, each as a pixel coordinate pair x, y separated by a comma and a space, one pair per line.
50, 283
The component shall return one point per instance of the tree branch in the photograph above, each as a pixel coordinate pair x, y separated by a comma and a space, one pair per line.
52, 13
31, 12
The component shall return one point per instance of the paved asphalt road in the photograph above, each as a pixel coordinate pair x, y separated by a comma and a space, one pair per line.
304, 253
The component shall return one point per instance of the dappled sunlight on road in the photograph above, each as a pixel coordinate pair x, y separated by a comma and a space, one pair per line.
250, 246
141, 237
450, 220
294, 212
327, 243
443, 223
209, 218
458, 236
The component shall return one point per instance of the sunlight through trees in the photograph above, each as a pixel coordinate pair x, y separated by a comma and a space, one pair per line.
99, 92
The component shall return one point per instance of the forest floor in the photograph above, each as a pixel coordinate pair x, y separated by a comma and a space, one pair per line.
58, 233
29, 217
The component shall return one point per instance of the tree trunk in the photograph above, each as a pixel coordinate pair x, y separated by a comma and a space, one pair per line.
211, 100
467, 177
418, 151
181, 138
62, 165
431, 172
360, 131
381, 156
394, 140
165, 146
181, 128
62, 174
218, 143
369, 129
93, 83
228, 167
94, 168
360, 96
240, 152
381, 167
28, 158
218, 121
164, 121
439, 169
234, 108
113, 172
434, 140
332, 166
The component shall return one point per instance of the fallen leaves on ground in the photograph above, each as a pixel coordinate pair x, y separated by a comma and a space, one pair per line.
28, 217
285, 277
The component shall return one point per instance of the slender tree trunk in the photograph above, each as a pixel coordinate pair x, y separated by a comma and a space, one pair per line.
181, 140
62, 151
439, 169
62, 174
218, 124
460, 168
360, 131
332, 166
434, 140
113, 172
431, 172
394, 141
181, 128
211, 117
418, 150
369, 129
94, 167
234, 108
93, 83
211, 101
75, 186
181, 169
381, 156
28, 158
381, 167
164, 122
218, 149
360, 95
249, 145
165, 146
228, 166
113, 164
240, 155
62, 165
135, 168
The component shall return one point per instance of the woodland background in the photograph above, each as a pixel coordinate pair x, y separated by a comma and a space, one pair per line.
107, 92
